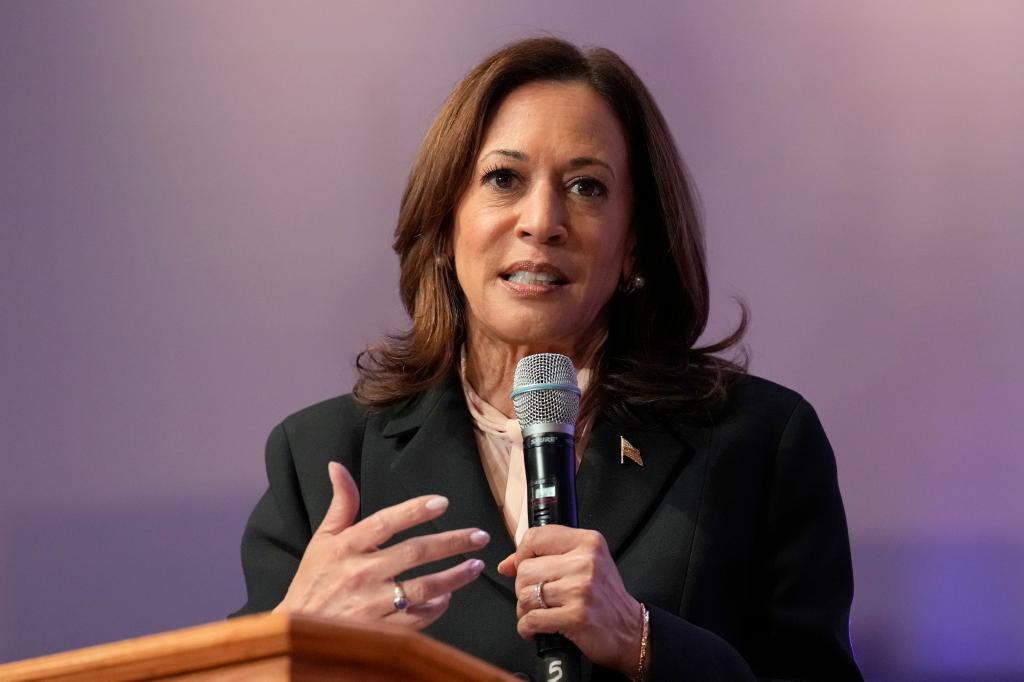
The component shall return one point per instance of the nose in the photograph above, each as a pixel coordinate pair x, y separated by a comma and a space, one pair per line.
543, 216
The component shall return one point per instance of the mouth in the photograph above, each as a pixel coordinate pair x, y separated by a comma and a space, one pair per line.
529, 273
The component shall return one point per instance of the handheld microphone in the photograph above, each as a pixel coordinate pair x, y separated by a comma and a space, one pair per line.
547, 403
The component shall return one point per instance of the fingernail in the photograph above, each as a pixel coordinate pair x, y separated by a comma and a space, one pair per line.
475, 566
435, 503
479, 537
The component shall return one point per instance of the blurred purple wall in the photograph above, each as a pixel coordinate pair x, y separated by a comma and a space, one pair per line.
196, 202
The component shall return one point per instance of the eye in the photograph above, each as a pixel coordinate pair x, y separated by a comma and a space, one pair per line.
501, 178
588, 187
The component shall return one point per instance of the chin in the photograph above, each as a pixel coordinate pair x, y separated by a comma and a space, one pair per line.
539, 336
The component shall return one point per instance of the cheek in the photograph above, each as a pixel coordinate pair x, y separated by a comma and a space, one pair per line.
474, 237
463, 245
607, 281
611, 260
471, 255
608, 270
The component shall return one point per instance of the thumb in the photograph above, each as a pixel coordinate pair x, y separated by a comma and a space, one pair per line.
509, 566
344, 503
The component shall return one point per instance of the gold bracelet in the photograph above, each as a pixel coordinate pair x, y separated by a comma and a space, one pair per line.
643, 666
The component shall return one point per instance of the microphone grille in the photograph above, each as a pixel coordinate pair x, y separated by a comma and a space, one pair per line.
544, 390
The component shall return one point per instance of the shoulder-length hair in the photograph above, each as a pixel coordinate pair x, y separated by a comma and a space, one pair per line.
650, 356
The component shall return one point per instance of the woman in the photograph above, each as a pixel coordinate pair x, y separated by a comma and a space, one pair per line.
548, 210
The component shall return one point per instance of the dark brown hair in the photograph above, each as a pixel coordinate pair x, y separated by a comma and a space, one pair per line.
650, 356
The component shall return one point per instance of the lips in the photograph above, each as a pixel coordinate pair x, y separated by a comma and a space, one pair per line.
534, 274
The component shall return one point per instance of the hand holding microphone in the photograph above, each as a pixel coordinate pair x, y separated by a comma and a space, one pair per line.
583, 593
566, 580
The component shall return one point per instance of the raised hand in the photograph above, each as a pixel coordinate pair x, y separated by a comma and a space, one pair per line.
343, 573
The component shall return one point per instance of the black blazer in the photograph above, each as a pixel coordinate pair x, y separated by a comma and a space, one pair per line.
733, 532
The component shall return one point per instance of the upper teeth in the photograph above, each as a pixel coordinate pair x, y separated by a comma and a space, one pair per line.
526, 277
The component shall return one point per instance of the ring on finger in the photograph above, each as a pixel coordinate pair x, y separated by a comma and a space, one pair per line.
538, 594
401, 601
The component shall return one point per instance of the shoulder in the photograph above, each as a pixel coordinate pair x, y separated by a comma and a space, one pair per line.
340, 424
760, 411
343, 416
751, 392
321, 424
334, 414
338, 429
307, 439
755, 397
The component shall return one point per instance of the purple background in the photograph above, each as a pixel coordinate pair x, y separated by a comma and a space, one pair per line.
196, 206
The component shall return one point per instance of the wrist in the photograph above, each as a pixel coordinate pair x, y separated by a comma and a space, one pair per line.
632, 641
287, 605
643, 659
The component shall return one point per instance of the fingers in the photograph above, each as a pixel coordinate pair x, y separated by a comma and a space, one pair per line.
554, 592
344, 503
564, 577
423, 589
427, 548
378, 528
549, 569
343, 573
554, 539
584, 598
429, 595
508, 567
420, 616
564, 620
565, 610
548, 540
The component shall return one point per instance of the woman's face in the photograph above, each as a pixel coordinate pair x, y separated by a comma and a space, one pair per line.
541, 234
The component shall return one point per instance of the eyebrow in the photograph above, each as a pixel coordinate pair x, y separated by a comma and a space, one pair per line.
574, 163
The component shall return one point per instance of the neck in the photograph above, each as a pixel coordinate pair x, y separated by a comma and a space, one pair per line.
491, 364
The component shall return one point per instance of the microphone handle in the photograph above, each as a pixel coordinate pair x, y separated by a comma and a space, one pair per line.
550, 459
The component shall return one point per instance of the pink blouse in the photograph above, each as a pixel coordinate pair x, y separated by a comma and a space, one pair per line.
500, 443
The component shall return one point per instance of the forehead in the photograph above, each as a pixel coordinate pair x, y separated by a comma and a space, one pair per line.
547, 117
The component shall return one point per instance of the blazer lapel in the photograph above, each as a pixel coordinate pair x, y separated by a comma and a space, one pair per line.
615, 497
441, 457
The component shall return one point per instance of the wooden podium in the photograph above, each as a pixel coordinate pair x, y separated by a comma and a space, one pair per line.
262, 648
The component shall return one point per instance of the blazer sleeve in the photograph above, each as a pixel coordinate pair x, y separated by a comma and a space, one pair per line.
297, 496
277, 532
803, 581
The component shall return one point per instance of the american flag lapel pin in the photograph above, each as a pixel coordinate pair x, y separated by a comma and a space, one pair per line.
628, 451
